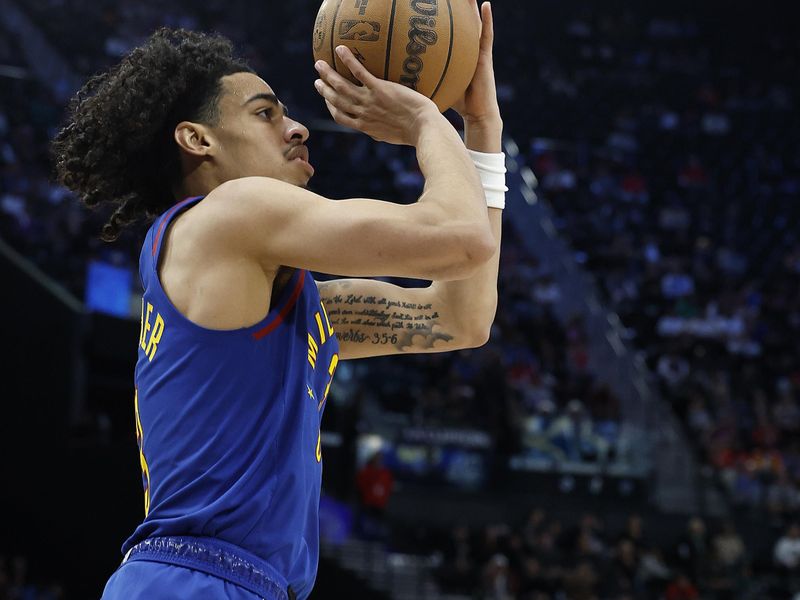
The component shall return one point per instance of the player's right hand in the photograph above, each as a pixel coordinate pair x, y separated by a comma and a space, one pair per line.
386, 111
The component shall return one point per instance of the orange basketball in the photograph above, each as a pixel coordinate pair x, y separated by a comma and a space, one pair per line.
428, 45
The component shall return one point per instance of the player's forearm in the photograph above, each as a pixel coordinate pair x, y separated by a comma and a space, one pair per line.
473, 301
453, 190
484, 136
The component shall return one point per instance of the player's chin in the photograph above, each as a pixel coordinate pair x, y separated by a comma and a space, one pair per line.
303, 180
302, 166
298, 173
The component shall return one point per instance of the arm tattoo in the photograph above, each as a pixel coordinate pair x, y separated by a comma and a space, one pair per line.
383, 320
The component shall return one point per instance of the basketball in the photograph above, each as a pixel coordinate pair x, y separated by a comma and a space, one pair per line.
427, 45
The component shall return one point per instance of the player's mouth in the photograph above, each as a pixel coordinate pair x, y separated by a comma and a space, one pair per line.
300, 154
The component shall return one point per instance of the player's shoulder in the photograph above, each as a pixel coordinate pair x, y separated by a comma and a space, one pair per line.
249, 198
245, 190
234, 201
241, 211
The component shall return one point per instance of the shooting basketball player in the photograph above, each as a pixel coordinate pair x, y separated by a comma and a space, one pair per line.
238, 344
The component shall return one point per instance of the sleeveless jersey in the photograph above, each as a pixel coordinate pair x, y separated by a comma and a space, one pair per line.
228, 422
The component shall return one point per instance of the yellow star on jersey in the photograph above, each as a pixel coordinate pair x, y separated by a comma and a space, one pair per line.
310, 392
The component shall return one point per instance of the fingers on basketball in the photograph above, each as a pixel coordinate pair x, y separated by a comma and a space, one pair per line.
341, 116
333, 79
337, 91
332, 98
487, 27
354, 66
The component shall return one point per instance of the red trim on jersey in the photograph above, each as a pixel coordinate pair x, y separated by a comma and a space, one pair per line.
166, 219
287, 308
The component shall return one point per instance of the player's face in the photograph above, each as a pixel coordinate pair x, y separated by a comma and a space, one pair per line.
256, 135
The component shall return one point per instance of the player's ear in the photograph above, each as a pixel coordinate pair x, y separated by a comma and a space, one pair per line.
193, 138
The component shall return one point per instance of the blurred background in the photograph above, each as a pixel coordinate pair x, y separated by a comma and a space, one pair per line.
631, 431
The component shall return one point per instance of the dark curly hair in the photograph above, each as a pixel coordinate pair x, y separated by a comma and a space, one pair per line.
117, 148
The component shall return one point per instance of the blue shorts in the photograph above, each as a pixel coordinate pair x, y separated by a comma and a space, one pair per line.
165, 568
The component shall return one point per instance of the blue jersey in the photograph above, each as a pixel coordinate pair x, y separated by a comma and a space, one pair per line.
228, 422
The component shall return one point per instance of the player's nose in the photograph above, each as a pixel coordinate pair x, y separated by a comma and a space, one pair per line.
295, 129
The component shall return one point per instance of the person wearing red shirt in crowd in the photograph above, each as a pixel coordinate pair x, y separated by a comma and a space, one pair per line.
375, 483
681, 589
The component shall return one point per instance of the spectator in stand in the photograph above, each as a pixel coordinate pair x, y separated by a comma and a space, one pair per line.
786, 555
693, 552
534, 583
581, 581
787, 550
375, 483
624, 568
458, 568
634, 532
533, 527
590, 538
783, 498
786, 411
500, 582
729, 568
681, 588
693, 174
729, 548
654, 574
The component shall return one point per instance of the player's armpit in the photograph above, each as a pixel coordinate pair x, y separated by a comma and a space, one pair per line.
375, 318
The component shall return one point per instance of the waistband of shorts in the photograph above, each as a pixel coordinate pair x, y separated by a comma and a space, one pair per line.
215, 557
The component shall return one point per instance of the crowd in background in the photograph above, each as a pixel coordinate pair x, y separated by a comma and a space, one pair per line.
545, 557
669, 156
17, 582
683, 206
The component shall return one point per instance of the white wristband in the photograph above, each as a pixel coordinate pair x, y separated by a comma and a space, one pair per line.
492, 171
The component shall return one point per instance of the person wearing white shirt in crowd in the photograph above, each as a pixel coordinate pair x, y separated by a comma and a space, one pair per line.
787, 549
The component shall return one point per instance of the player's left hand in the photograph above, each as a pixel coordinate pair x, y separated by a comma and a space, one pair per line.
479, 103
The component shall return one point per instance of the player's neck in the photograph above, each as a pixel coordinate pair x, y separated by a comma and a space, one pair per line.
196, 184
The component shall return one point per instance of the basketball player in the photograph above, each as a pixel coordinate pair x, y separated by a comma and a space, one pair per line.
238, 344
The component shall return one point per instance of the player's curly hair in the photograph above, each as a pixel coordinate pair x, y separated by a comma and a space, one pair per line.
116, 148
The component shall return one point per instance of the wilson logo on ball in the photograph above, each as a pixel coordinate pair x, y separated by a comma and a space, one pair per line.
421, 35
429, 8
362, 31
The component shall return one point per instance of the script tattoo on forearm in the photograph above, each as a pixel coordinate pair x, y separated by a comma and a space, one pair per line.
381, 320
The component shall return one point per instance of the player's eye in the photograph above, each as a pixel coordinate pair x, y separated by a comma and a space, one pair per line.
266, 113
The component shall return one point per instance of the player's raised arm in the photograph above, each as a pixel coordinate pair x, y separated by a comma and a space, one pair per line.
443, 236
374, 317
